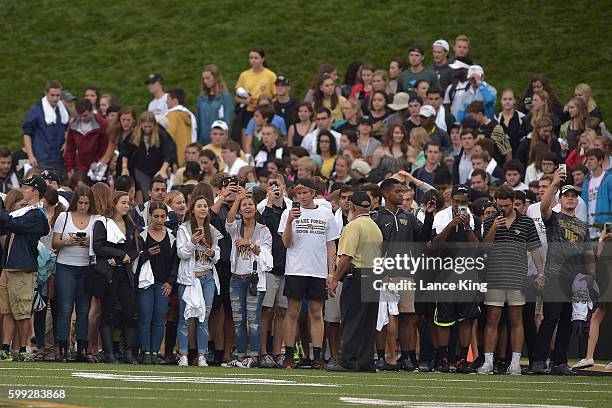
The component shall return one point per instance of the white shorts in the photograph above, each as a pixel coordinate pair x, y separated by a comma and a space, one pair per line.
497, 297
275, 285
332, 307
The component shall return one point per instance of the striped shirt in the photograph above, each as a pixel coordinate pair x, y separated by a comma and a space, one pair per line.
507, 256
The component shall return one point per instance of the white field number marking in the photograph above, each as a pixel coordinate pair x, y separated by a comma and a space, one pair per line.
198, 380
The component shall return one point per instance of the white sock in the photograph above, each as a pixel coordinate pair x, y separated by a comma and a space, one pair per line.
488, 358
516, 357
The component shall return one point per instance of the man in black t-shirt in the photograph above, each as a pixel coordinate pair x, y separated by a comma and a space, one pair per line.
508, 238
568, 254
285, 106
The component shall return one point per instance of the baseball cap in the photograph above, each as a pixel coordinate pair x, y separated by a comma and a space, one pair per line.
460, 189
219, 124
441, 43
361, 199
475, 70
361, 166
427, 111
67, 96
281, 80
50, 175
416, 48
461, 63
304, 182
567, 188
153, 78
469, 122
400, 101
365, 119
37, 182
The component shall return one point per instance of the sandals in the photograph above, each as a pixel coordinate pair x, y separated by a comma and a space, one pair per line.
40, 356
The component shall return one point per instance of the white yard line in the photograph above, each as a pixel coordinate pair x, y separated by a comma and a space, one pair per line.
417, 404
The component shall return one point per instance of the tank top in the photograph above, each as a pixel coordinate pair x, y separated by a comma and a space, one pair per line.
297, 136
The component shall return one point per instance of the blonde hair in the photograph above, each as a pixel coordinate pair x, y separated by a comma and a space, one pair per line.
146, 117
385, 77
587, 91
355, 104
420, 137
171, 196
308, 164
219, 86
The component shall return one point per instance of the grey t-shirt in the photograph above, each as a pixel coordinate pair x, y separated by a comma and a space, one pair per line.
568, 238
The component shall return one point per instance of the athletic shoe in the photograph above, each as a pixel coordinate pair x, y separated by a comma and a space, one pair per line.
267, 362
146, 359
608, 367
380, 364
539, 367
248, 363
202, 361
5, 356
463, 367
476, 364
232, 364
514, 369
500, 367
157, 360
406, 365
424, 367
25, 357
304, 363
336, 366
317, 364
443, 366
183, 361
486, 369
279, 360
288, 364
584, 363
561, 369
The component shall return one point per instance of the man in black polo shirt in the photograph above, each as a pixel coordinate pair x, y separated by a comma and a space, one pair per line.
569, 253
400, 229
453, 236
508, 237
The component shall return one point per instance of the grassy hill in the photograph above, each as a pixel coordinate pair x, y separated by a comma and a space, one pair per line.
115, 45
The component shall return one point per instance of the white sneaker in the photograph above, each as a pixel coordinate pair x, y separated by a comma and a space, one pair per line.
248, 363
584, 363
202, 361
514, 369
608, 367
486, 368
232, 364
183, 362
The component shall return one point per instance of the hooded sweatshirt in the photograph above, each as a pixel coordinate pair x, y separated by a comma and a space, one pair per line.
183, 129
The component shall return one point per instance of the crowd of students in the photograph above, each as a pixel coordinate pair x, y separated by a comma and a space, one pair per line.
218, 230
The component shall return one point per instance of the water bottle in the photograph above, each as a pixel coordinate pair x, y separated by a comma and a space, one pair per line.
221, 112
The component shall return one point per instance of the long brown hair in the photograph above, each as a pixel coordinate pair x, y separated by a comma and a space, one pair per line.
146, 117
192, 221
114, 130
388, 139
103, 198
219, 87
579, 121
112, 212
12, 197
83, 191
319, 98
544, 121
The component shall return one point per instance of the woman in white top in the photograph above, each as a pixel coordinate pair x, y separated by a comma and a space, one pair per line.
198, 251
71, 236
251, 257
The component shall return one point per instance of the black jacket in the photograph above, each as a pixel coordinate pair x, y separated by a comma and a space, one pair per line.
150, 161
225, 244
164, 276
105, 250
27, 230
271, 218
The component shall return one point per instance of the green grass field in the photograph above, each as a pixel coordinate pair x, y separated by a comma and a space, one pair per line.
115, 45
139, 386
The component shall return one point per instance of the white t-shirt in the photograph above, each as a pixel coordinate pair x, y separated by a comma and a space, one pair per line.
159, 106
593, 187
535, 214
73, 255
307, 255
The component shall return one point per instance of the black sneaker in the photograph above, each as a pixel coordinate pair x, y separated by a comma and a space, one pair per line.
443, 366
539, 367
476, 364
406, 365
561, 369
304, 363
500, 367
380, 364
463, 367
424, 367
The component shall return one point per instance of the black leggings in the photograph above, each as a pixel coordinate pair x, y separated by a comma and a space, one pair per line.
120, 301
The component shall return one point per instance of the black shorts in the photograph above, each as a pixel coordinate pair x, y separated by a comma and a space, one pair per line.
425, 309
448, 313
223, 298
305, 287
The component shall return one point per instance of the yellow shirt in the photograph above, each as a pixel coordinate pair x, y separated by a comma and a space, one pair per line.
328, 166
361, 239
337, 111
257, 83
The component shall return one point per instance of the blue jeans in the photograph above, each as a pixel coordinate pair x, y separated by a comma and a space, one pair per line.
208, 290
152, 307
69, 281
246, 311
